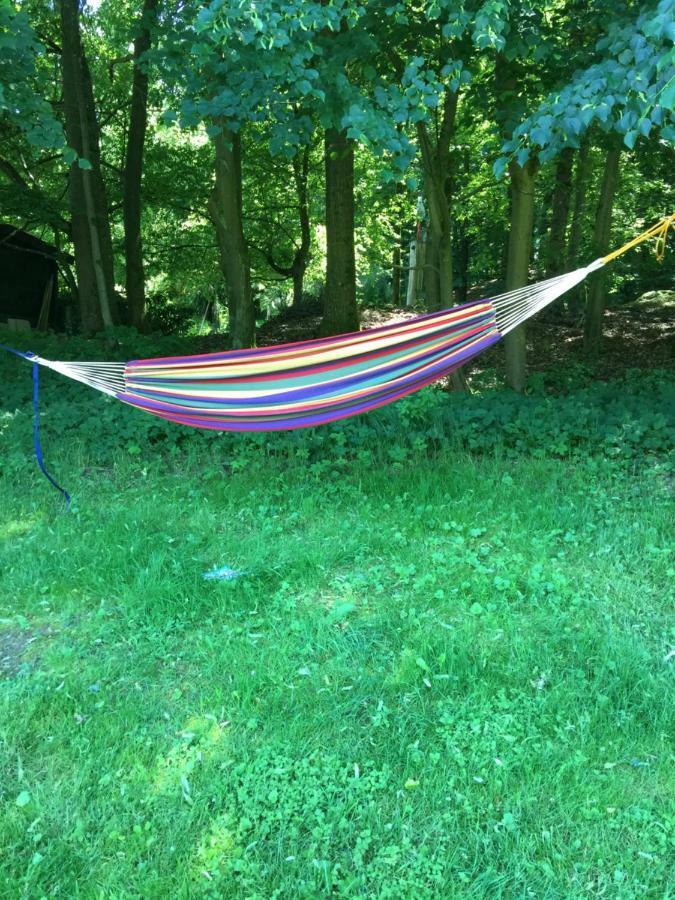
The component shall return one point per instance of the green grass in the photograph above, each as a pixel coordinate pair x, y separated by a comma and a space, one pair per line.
440, 678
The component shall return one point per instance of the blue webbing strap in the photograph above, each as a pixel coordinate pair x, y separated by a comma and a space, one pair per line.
37, 446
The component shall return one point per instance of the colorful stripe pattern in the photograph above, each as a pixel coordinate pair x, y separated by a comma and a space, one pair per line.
311, 382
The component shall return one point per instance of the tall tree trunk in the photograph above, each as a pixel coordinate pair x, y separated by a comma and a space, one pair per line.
580, 187
464, 253
574, 299
133, 171
508, 111
595, 305
340, 310
438, 185
438, 190
225, 209
431, 272
560, 210
298, 267
88, 203
301, 257
518, 263
298, 276
396, 273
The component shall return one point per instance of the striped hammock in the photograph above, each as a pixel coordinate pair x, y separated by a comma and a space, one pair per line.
318, 381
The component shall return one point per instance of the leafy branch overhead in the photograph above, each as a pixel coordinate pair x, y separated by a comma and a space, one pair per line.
629, 91
21, 105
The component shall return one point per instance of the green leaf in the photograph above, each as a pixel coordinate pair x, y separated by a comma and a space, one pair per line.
522, 156
667, 98
83, 163
630, 137
500, 167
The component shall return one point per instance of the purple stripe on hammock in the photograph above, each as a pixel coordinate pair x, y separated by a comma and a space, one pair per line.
299, 345
312, 391
311, 418
305, 368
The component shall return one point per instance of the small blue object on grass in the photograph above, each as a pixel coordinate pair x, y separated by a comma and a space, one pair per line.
225, 573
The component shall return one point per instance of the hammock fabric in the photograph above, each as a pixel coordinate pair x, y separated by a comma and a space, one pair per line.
318, 381
312, 382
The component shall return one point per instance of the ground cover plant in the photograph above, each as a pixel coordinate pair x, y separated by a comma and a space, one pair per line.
443, 670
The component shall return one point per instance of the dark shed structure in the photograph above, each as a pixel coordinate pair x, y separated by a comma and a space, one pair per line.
28, 279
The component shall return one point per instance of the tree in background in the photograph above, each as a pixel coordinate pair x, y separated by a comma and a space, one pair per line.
133, 167
630, 92
90, 224
404, 91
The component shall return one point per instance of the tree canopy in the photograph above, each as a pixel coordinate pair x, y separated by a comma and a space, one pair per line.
221, 131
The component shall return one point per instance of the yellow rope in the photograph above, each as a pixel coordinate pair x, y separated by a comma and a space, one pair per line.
659, 231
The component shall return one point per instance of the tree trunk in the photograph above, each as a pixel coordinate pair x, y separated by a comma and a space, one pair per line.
437, 178
595, 305
574, 299
88, 203
518, 263
560, 210
396, 273
133, 172
340, 310
464, 252
225, 209
301, 257
298, 275
580, 186
431, 273
396, 270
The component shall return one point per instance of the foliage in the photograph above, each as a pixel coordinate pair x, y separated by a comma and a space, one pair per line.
22, 105
386, 68
630, 91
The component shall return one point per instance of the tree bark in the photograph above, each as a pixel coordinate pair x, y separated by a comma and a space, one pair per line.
133, 171
89, 208
595, 305
340, 311
437, 177
580, 186
464, 254
301, 257
225, 209
396, 274
518, 264
560, 210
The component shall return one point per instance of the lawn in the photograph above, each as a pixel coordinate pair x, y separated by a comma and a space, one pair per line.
441, 671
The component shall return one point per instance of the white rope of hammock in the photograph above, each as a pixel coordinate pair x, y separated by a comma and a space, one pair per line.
511, 310
514, 307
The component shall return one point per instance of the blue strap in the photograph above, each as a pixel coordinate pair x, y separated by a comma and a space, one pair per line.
20, 353
37, 446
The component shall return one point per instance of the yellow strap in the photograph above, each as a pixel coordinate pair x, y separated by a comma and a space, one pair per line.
659, 231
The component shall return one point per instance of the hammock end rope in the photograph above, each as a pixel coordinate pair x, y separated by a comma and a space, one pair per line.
658, 231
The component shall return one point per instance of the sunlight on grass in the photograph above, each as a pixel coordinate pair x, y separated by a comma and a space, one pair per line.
216, 849
17, 527
200, 739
